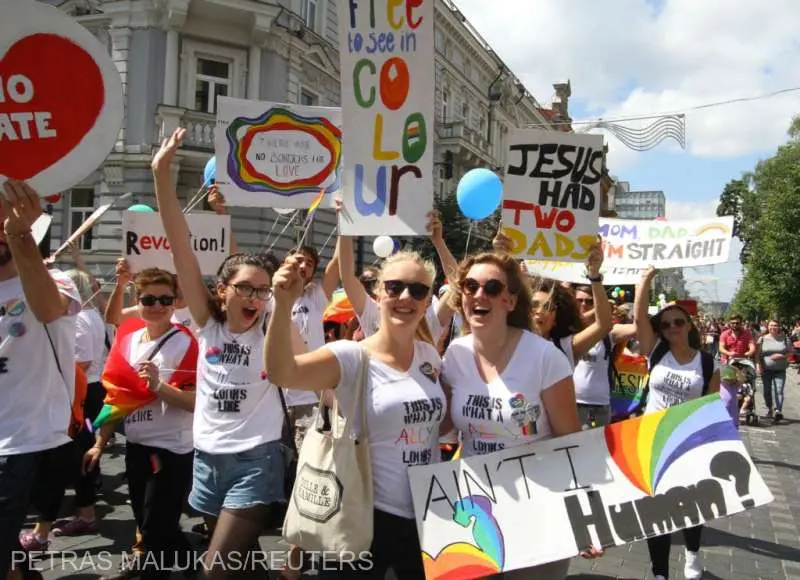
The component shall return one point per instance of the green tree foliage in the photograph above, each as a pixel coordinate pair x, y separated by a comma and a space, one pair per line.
770, 224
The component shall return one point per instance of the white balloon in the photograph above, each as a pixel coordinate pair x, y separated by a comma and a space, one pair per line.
285, 211
383, 246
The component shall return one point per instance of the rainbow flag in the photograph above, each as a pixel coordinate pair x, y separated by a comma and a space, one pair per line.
630, 380
312, 209
125, 390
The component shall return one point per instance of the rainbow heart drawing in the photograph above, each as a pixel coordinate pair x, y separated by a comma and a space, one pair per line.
247, 161
460, 560
644, 448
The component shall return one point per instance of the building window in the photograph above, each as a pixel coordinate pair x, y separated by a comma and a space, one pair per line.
213, 79
81, 206
308, 99
445, 99
210, 71
309, 10
465, 113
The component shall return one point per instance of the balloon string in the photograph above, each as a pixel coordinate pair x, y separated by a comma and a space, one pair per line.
269, 233
325, 245
469, 235
283, 231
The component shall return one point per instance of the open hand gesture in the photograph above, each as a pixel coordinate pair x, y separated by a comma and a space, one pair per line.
21, 207
163, 157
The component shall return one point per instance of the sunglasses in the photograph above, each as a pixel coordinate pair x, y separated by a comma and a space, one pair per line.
491, 287
417, 290
587, 301
248, 291
547, 305
369, 283
677, 323
150, 300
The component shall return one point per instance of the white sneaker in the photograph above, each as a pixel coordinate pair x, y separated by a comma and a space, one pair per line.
694, 566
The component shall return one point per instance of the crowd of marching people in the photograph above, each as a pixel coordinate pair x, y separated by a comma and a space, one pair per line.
231, 374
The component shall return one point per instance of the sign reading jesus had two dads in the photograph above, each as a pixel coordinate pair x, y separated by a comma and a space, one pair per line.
146, 245
551, 500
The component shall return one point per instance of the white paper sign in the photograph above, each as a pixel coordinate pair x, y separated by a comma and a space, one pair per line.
386, 51
552, 194
61, 102
146, 245
277, 155
40, 227
631, 246
604, 487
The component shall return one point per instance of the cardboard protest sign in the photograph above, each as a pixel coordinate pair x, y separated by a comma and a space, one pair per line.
61, 102
631, 246
550, 500
388, 82
552, 195
146, 244
277, 155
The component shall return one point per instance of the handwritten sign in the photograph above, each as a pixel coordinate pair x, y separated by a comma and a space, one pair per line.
605, 487
631, 246
277, 155
146, 245
52, 133
552, 195
386, 51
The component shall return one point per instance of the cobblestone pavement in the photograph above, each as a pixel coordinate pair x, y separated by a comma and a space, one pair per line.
762, 543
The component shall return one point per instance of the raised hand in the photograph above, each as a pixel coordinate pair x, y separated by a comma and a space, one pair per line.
163, 157
217, 201
21, 207
435, 227
287, 283
123, 272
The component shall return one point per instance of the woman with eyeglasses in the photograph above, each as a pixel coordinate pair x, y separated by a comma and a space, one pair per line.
678, 374
404, 401
506, 386
151, 350
238, 419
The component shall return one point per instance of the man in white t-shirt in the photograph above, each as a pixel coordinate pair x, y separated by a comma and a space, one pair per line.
37, 366
307, 315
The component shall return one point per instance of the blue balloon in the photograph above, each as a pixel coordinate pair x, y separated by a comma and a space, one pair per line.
210, 172
140, 207
479, 193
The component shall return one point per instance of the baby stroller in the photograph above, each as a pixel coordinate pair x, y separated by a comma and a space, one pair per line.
747, 390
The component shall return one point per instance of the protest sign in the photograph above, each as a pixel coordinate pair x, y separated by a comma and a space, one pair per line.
552, 194
146, 244
40, 227
388, 85
631, 246
54, 133
277, 155
550, 500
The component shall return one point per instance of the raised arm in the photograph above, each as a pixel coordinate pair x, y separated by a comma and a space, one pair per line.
314, 371
347, 270
644, 331
449, 266
116, 313
177, 230
21, 207
603, 317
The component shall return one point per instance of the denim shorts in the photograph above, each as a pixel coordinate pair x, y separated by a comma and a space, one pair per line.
237, 480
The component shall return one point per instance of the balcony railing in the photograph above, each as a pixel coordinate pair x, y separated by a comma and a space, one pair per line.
459, 130
199, 126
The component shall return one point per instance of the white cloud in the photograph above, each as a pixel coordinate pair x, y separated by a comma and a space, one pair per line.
625, 57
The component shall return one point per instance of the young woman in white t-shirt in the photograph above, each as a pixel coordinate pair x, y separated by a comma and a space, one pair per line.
238, 418
675, 379
405, 404
159, 451
506, 385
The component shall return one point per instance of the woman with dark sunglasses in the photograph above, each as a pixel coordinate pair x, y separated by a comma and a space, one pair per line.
671, 341
404, 401
506, 385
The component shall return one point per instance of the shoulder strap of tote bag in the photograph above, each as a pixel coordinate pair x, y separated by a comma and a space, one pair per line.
359, 400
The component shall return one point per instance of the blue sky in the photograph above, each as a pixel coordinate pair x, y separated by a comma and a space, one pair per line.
640, 57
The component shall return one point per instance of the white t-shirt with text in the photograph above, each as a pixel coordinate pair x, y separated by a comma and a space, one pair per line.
404, 410
37, 398
508, 411
159, 424
307, 314
672, 383
591, 376
90, 342
236, 408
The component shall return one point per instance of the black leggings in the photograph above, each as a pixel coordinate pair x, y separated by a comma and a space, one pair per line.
86, 484
660, 547
395, 545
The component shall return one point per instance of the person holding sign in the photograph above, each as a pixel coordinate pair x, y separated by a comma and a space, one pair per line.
238, 464
404, 402
506, 385
679, 372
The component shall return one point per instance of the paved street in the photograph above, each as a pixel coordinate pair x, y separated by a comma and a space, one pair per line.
762, 543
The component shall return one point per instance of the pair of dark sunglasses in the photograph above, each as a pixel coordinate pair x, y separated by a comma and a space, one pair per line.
677, 323
417, 290
150, 300
491, 287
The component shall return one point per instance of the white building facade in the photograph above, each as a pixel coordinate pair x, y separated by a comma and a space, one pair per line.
176, 56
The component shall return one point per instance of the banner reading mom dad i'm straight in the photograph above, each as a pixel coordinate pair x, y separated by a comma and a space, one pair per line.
550, 500
386, 51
